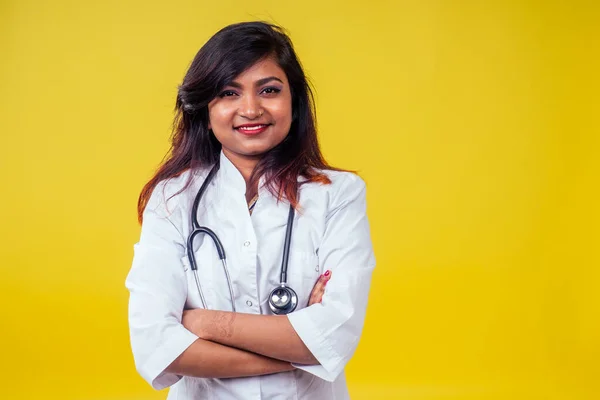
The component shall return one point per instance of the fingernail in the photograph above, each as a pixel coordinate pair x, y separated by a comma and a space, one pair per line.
327, 273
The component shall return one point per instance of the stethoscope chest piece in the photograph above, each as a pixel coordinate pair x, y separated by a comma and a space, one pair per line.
283, 300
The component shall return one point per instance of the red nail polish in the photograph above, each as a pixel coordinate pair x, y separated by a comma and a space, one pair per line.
327, 273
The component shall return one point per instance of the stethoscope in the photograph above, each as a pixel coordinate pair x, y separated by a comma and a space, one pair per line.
283, 299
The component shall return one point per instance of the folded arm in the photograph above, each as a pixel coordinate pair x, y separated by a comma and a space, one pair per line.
209, 359
269, 335
205, 359
321, 338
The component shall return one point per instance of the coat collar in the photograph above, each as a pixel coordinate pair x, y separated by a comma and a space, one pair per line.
230, 177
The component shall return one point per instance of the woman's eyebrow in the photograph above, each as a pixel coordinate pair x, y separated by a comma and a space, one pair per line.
259, 82
263, 81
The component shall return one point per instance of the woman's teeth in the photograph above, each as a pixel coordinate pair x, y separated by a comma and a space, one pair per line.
251, 128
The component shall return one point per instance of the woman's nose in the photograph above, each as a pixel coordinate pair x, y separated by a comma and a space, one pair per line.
250, 107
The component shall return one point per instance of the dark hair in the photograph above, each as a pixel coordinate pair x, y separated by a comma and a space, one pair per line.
227, 54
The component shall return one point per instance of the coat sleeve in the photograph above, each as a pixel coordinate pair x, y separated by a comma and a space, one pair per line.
158, 291
331, 329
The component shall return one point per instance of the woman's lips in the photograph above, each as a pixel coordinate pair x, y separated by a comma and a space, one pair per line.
251, 130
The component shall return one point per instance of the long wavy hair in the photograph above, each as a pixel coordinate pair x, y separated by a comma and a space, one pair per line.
227, 54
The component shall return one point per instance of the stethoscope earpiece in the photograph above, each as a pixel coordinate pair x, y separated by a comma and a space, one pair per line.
283, 300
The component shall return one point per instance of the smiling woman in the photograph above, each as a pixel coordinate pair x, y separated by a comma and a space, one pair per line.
245, 161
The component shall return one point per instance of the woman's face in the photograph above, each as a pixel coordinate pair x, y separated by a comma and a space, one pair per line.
253, 113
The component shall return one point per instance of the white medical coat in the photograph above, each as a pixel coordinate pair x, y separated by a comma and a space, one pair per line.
330, 232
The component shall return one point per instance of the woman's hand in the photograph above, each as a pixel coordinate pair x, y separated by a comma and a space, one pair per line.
319, 289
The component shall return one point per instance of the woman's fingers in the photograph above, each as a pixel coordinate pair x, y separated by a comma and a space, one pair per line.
316, 294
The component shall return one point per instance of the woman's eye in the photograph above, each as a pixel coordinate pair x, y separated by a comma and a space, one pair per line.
227, 93
271, 90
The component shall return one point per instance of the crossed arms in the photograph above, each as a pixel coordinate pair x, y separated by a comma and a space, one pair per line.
168, 343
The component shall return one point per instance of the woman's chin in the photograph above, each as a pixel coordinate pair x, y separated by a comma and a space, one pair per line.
255, 151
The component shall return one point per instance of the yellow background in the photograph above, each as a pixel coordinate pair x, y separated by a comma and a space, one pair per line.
474, 123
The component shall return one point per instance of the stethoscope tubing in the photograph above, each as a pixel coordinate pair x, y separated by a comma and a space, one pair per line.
197, 229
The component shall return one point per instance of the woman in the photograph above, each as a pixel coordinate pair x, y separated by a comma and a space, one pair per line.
245, 129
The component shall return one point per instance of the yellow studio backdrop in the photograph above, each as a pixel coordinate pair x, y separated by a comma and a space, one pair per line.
474, 123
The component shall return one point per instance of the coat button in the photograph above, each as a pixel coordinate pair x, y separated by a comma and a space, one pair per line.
246, 243
248, 303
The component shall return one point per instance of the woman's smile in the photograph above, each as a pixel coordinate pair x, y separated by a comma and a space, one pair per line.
251, 129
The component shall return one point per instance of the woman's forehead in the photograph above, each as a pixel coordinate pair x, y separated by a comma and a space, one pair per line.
261, 70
